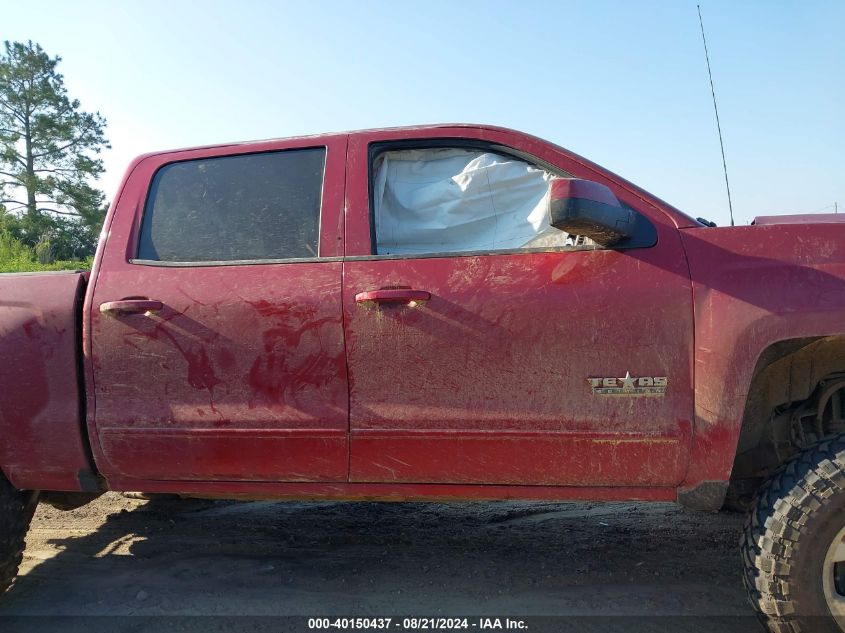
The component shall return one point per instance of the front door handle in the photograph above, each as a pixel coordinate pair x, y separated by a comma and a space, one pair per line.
407, 296
130, 306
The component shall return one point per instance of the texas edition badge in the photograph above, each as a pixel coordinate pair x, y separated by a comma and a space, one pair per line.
629, 385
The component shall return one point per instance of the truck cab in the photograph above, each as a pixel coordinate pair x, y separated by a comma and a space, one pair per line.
276, 355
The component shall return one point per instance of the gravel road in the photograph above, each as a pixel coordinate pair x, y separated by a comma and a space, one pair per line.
172, 563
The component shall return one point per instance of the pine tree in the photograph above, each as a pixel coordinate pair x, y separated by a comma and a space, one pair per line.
49, 153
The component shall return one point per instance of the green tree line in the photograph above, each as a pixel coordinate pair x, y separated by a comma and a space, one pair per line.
50, 213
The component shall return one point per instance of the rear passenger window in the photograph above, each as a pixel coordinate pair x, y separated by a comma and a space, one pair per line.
246, 207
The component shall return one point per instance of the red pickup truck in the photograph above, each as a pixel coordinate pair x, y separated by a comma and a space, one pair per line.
438, 312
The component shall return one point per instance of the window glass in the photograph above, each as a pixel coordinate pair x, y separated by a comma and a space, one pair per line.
247, 207
441, 200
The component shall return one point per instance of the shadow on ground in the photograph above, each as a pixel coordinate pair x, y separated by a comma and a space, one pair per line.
262, 565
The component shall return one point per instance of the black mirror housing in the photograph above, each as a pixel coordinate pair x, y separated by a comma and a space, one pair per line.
587, 208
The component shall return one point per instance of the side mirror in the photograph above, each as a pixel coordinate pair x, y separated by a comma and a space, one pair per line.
583, 207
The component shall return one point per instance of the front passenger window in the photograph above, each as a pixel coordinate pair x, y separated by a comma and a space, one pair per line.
446, 200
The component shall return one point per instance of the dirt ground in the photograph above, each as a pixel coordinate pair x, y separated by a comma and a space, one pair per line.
608, 567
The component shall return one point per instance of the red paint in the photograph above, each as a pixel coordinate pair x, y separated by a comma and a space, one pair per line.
243, 365
443, 377
511, 457
265, 454
495, 363
394, 492
754, 286
804, 218
40, 440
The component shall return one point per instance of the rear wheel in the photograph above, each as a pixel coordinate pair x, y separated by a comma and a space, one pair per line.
794, 543
16, 510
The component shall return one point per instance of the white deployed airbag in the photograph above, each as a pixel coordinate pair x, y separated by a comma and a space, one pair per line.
448, 200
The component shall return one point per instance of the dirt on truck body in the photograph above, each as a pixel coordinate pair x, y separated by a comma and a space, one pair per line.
448, 312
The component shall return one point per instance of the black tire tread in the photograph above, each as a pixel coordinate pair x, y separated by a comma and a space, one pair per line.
16, 509
778, 519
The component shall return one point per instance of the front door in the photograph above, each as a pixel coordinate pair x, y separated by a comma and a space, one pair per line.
217, 339
484, 346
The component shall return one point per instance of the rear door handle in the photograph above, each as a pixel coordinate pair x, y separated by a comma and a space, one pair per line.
130, 306
393, 295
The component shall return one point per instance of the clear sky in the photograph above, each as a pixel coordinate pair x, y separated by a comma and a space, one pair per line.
623, 83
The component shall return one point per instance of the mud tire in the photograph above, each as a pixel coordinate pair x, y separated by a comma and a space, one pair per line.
16, 510
795, 517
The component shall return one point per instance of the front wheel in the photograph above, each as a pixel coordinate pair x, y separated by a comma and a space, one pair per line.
793, 545
16, 510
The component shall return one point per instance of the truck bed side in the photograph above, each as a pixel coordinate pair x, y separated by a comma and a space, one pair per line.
42, 445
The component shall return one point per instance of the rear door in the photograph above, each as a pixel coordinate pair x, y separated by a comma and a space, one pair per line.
482, 347
216, 331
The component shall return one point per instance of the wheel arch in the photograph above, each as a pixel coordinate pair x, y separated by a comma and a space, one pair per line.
730, 421
787, 373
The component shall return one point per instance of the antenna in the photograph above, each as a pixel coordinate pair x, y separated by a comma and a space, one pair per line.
716, 109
